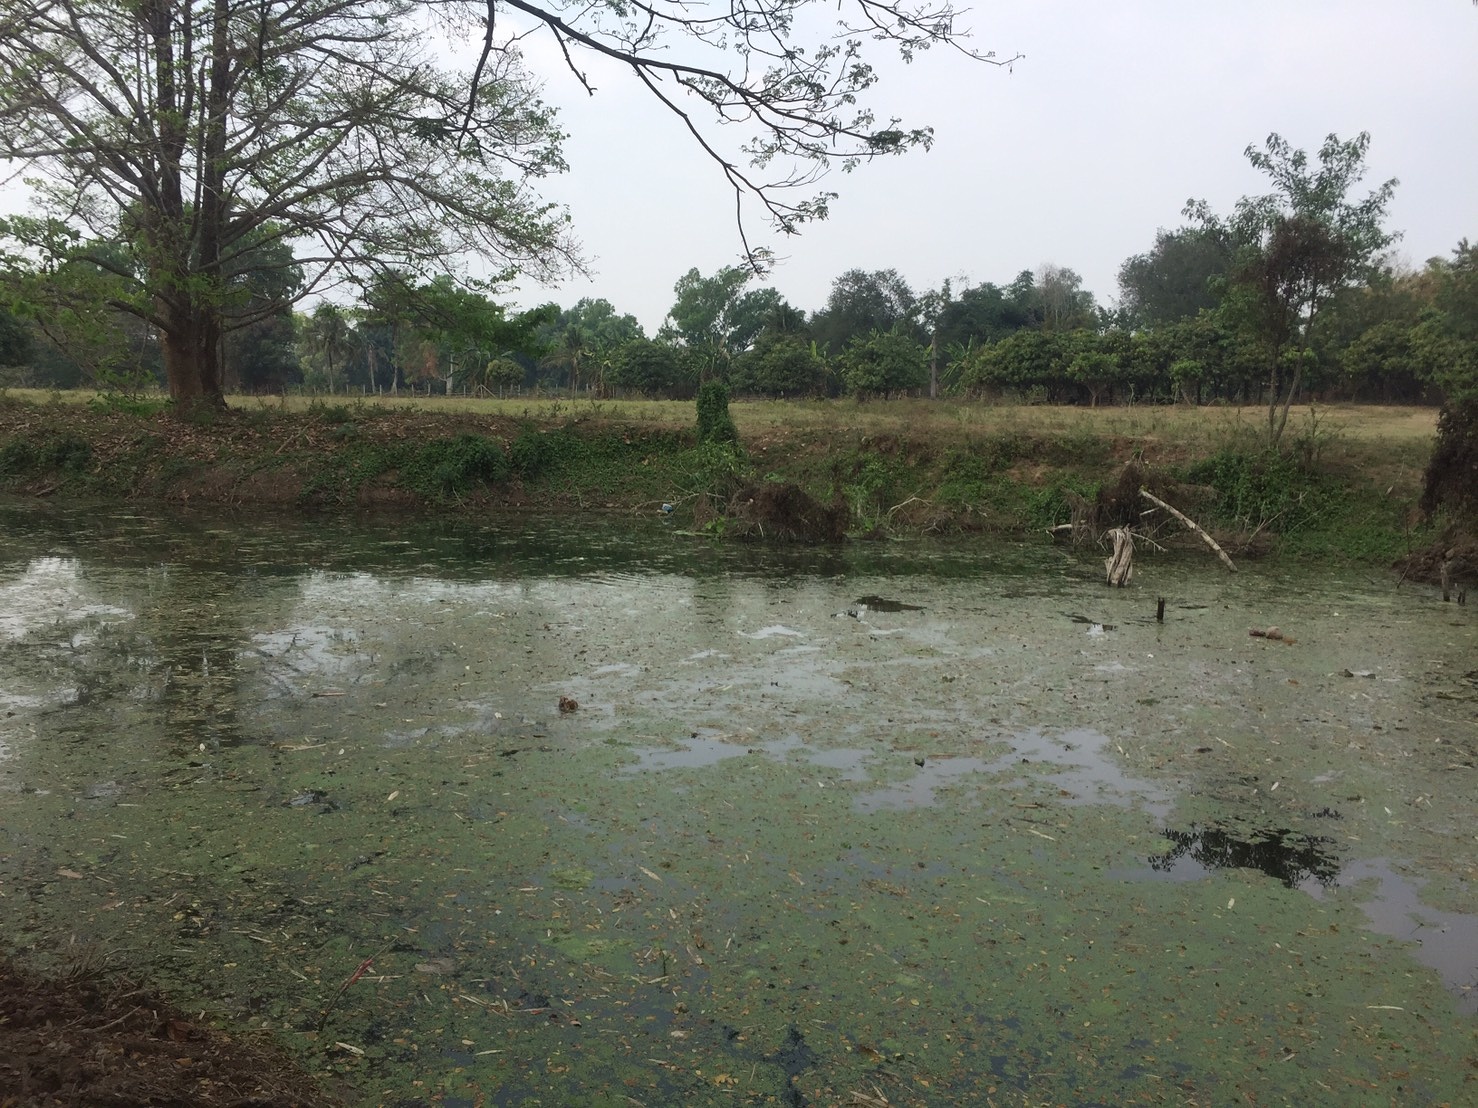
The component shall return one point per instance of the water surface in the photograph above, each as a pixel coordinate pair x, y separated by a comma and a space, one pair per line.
923, 823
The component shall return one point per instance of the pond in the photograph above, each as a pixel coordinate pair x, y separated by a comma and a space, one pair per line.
572, 812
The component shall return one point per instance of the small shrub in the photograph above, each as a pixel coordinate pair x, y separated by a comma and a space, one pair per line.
17, 456
717, 469
538, 453
68, 454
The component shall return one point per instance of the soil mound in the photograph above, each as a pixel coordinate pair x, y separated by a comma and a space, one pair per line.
781, 512
83, 1040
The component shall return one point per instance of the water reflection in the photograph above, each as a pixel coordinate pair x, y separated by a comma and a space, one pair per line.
1292, 859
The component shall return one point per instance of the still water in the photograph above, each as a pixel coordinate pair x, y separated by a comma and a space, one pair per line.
622, 817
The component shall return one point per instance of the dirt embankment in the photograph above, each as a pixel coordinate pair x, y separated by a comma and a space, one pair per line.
85, 1038
1352, 499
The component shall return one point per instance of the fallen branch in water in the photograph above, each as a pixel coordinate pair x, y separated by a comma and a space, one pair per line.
353, 977
1207, 539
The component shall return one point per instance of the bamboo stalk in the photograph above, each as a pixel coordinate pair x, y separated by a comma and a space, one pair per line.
1207, 539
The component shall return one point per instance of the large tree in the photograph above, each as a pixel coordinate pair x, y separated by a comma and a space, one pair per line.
1294, 250
186, 130
862, 302
715, 318
1174, 279
180, 127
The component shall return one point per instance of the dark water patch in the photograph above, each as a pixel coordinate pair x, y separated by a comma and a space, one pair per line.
793, 1058
883, 604
1291, 858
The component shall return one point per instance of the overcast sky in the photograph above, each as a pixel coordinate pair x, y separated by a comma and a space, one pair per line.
1116, 115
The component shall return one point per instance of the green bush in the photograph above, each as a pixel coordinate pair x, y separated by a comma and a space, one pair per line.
538, 453
17, 456
448, 467
65, 454
1257, 490
714, 422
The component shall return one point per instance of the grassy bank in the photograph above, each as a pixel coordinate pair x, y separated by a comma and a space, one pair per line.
1344, 486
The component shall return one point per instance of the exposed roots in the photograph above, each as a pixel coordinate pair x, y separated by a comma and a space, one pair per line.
785, 513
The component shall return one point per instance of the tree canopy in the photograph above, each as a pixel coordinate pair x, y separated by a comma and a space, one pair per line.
180, 131
1294, 250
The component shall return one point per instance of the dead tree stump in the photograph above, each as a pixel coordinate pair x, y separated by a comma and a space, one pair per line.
1120, 566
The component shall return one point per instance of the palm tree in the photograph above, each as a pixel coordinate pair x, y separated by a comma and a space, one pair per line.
569, 351
329, 337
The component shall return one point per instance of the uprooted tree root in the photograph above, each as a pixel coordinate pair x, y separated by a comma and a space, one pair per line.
90, 1039
785, 513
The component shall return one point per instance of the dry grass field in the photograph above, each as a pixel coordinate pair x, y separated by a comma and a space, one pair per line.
940, 419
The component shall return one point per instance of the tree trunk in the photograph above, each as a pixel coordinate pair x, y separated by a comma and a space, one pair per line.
191, 347
934, 365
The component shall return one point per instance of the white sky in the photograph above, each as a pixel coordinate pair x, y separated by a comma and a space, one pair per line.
1118, 113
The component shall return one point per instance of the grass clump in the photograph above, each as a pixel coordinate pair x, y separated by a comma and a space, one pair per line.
1257, 491
66, 454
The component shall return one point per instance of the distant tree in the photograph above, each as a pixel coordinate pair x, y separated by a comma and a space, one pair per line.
780, 364
501, 374
328, 338
258, 336
1063, 303
1029, 363
654, 369
1294, 250
263, 356
715, 318
600, 323
569, 352
983, 314
461, 328
884, 363
16, 347
1175, 280
861, 303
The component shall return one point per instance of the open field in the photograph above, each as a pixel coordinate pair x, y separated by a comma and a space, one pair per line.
944, 420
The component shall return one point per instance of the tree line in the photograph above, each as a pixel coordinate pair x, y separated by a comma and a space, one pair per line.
1291, 295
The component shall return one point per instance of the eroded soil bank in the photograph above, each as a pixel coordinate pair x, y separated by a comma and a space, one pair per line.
909, 468
593, 815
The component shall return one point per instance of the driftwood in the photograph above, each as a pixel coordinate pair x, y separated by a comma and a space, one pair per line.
1207, 539
1120, 566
